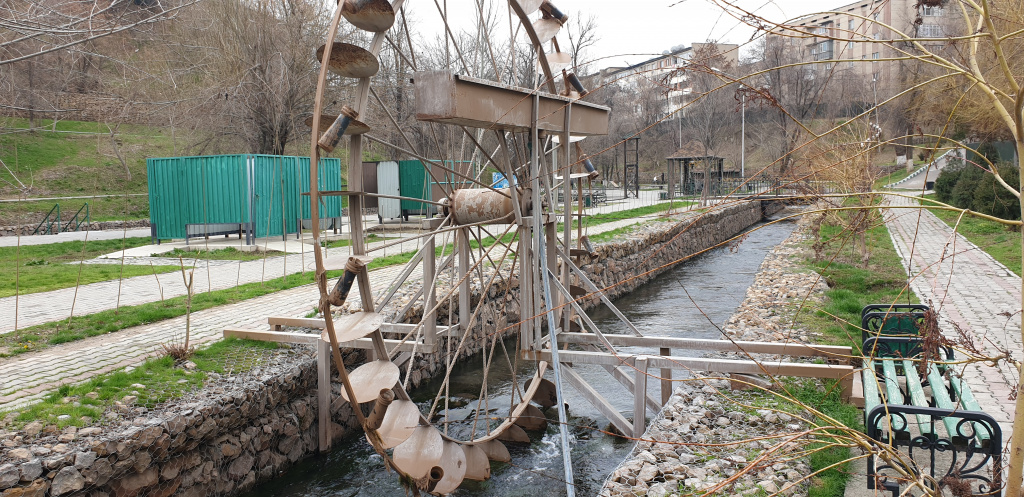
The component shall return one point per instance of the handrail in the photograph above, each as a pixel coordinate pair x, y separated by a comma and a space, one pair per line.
74, 219
49, 222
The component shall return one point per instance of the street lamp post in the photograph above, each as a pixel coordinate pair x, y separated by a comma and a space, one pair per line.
743, 138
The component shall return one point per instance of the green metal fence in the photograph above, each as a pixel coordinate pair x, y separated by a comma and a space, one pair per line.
254, 195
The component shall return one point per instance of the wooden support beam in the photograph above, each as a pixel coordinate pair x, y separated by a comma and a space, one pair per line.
430, 319
844, 373
639, 397
442, 97
316, 323
666, 377
285, 337
793, 349
323, 390
597, 400
272, 336
462, 237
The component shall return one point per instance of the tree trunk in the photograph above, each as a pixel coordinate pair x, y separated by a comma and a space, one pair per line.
1016, 459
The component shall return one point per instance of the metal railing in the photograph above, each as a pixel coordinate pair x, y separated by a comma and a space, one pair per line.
78, 219
49, 223
52, 224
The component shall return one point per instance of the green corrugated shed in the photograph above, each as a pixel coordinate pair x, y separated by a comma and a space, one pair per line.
413, 184
230, 191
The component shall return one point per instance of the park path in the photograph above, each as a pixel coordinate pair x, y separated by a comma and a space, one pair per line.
969, 288
72, 236
27, 378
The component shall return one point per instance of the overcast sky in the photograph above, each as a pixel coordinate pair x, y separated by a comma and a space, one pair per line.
634, 30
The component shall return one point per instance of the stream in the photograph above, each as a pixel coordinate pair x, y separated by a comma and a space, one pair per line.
678, 303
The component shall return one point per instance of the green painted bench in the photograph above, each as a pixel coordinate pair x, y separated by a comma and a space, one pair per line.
932, 413
890, 320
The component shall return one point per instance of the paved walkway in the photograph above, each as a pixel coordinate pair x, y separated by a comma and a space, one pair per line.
72, 236
27, 378
970, 289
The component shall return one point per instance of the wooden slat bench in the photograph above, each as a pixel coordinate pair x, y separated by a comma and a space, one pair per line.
932, 414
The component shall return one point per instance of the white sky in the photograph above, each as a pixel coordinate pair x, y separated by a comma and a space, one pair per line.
634, 30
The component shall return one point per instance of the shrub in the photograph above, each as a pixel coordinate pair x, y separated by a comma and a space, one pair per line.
993, 199
963, 191
947, 180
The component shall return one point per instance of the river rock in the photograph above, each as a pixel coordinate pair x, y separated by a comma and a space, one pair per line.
67, 480
9, 475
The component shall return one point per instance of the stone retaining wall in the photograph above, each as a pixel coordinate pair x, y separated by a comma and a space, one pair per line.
249, 427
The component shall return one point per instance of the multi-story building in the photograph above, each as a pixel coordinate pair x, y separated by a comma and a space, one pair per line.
667, 73
856, 38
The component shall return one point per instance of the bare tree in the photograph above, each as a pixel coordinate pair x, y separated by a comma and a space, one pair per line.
710, 114
583, 35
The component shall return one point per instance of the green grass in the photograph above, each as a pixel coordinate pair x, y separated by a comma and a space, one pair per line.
161, 379
372, 237
852, 286
611, 235
831, 482
224, 254
892, 178
74, 164
1000, 241
41, 268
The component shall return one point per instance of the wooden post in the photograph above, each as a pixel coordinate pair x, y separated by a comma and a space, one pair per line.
430, 293
463, 243
666, 377
567, 205
639, 397
550, 238
323, 390
526, 288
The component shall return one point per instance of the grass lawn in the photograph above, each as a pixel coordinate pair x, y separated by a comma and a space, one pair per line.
892, 178
370, 238
78, 160
41, 268
852, 286
224, 254
998, 240
155, 381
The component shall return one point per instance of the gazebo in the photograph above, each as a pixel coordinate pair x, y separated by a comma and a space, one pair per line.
688, 169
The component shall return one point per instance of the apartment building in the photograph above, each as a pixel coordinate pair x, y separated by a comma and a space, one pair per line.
852, 38
667, 72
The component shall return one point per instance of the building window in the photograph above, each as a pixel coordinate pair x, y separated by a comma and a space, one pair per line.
875, 55
851, 24
828, 67
849, 64
878, 36
929, 11
874, 16
822, 50
849, 45
930, 30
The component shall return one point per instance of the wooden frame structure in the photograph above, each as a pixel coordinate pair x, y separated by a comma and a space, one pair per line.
546, 262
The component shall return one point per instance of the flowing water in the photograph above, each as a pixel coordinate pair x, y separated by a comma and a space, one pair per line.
683, 302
